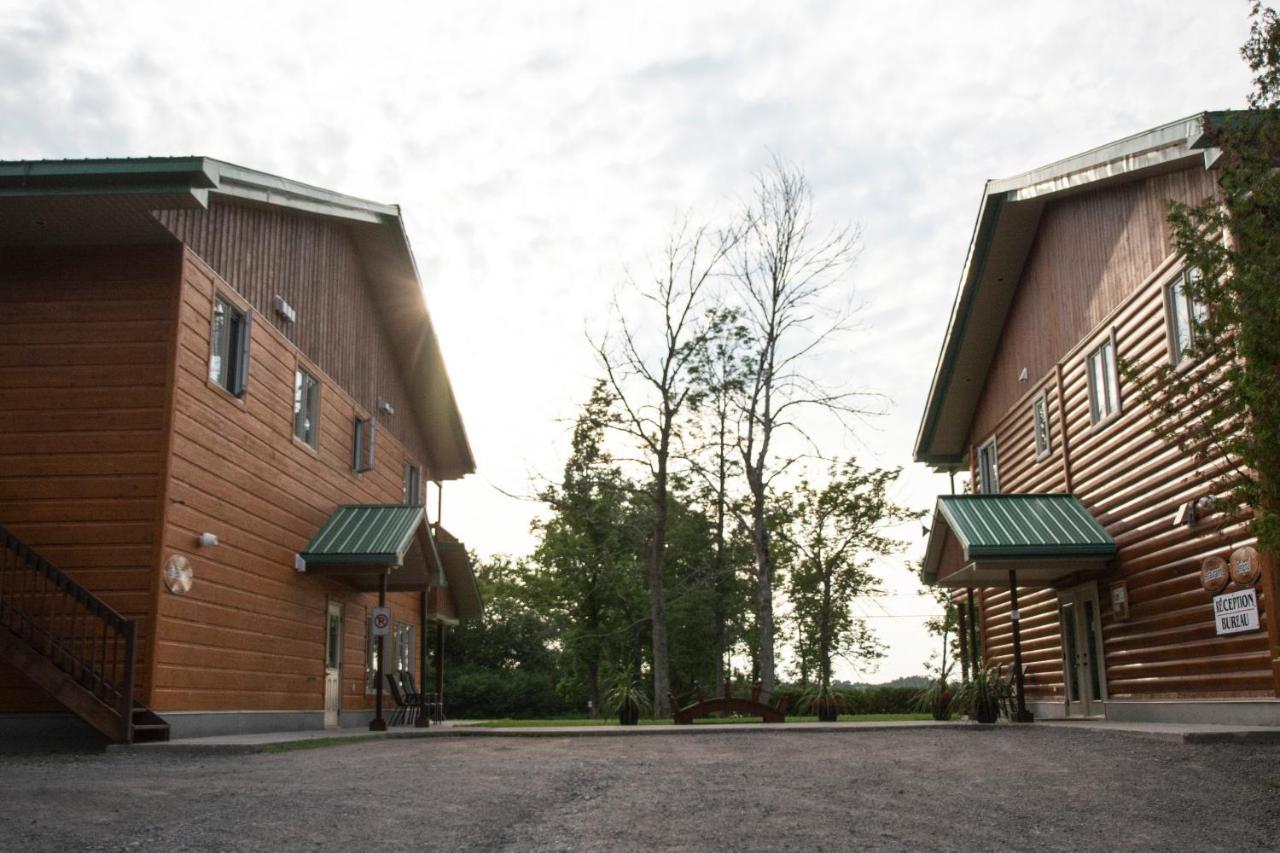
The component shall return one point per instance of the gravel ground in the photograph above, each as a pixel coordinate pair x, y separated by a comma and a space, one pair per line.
948, 789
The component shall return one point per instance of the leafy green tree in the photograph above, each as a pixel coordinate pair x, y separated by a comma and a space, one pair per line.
1222, 403
588, 557
834, 532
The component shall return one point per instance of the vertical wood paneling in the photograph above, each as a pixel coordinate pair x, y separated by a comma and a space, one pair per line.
84, 336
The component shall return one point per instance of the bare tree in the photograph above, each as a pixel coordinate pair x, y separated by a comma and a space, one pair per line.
785, 270
653, 386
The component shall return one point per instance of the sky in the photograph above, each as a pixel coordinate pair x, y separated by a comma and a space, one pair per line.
542, 150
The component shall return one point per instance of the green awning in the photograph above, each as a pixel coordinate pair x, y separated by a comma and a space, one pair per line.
368, 534
976, 539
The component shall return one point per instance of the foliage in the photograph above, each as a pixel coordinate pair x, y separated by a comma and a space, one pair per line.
1222, 404
988, 692
833, 532
627, 690
863, 700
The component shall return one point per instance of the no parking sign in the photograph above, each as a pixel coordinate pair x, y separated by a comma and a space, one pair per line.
381, 621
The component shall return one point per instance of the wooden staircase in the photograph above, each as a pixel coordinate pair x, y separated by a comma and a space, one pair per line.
73, 646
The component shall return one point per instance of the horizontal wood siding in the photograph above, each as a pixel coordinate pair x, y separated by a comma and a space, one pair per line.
1099, 266
250, 635
313, 263
85, 337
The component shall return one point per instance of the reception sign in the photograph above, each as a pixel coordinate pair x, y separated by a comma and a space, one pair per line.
1235, 612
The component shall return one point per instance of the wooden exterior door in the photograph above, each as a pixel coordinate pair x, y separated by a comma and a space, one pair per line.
1084, 675
333, 665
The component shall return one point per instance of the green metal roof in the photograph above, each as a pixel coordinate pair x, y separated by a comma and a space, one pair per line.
366, 534
1022, 526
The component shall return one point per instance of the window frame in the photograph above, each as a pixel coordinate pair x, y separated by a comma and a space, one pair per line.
300, 370
989, 485
240, 346
1098, 418
1175, 295
412, 477
402, 654
364, 443
1038, 404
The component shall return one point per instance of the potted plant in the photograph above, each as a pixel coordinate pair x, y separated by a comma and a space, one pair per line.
935, 698
984, 693
824, 701
628, 696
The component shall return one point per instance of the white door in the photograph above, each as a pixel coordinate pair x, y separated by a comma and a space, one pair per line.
1084, 675
333, 665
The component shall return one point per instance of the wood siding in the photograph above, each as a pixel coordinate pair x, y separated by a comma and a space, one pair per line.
1099, 266
250, 635
313, 263
85, 343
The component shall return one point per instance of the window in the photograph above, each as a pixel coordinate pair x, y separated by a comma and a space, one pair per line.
412, 484
1104, 384
988, 473
229, 353
365, 438
1186, 315
370, 656
306, 408
403, 637
1040, 419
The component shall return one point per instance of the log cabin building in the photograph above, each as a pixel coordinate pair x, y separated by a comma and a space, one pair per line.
222, 405
1089, 557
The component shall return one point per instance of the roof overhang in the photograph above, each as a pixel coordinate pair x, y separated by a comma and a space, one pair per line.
1008, 218
105, 202
459, 581
1048, 540
360, 544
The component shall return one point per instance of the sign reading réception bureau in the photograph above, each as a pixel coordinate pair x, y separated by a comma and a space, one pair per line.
1234, 612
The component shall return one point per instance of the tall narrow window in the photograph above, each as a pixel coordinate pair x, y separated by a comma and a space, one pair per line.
306, 408
412, 484
404, 647
229, 353
1104, 385
1040, 419
1185, 314
370, 656
366, 431
988, 470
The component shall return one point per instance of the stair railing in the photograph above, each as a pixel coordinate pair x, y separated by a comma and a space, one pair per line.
70, 626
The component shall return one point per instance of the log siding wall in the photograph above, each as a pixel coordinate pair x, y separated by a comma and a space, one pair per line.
312, 262
85, 338
1099, 267
250, 635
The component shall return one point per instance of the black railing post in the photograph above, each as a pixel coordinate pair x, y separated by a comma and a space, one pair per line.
126, 690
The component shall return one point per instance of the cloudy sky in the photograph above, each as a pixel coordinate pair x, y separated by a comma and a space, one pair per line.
539, 149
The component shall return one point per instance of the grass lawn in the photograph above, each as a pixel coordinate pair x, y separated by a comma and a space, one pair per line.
612, 721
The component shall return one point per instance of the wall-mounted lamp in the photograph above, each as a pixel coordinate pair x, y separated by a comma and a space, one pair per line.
385, 408
208, 540
285, 310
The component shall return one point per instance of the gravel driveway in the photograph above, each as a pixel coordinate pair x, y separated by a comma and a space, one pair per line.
941, 789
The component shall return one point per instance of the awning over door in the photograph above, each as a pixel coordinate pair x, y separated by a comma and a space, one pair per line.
1048, 539
360, 543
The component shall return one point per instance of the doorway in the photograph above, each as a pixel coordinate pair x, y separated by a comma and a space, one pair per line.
1083, 671
333, 665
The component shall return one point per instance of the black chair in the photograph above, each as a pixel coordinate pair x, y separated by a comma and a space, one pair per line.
426, 702
403, 712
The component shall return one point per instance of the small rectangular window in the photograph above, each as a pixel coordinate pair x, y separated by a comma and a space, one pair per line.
403, 647
229, 351
1104, 383
306, 408
988, 470
1040, 419
370, 656
412, 484
1185, 314
366, 432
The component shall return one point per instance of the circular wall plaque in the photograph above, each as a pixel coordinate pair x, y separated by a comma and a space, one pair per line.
1214, 575
1245, 566
177, 574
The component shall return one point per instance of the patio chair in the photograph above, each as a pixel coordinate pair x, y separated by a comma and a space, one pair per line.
403, 711
427, 701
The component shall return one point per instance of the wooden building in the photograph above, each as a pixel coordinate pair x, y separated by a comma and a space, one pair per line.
1111, 593
201, 366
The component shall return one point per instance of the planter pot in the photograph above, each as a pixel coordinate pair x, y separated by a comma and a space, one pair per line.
942, 709
828, 712
629, 715
986, 712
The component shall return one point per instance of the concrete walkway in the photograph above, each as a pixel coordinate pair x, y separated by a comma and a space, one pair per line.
280, 741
